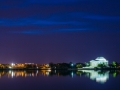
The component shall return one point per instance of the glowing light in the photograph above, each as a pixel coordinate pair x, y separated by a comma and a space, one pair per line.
12, 74
47, 73
10, 67
95, 75
72, 64
72, 74
49, 70
47, 65
12, 64
102, 79
100, 59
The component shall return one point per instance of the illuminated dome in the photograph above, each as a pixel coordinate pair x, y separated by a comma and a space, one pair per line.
100, 59
97, 61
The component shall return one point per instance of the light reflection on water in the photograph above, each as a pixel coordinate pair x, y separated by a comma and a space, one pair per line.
98, 76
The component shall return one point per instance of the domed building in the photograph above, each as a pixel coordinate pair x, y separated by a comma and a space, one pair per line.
97, 61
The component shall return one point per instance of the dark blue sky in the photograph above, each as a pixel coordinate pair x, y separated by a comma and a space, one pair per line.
44, 31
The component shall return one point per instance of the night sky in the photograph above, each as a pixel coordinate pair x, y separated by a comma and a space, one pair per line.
43, 31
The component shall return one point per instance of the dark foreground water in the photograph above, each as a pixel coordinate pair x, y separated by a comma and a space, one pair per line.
59, 80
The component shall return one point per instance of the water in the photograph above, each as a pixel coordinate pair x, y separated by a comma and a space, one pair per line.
59, 80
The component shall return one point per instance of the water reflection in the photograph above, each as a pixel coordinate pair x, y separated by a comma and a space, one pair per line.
98, 76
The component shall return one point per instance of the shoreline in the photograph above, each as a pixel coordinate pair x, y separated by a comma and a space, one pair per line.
68, 69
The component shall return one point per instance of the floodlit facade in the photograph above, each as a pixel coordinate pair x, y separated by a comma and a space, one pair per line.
97, 61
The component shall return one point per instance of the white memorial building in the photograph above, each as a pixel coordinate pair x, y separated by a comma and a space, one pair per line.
98, 60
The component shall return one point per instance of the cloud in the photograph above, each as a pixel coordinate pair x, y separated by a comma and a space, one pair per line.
31, 21
27, 32
61, 22
98, 17
26, 3
71, 30
93, 16
32, 32
60, 1
71, 18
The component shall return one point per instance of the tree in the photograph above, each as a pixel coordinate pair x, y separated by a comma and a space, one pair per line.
101, 65
87, 64
114, 64
79, 65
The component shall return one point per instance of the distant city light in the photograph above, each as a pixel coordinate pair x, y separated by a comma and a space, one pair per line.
10, 67
47, 65
12, 64
72, 64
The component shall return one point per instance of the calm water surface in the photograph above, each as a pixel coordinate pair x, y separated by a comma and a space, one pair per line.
59, 80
